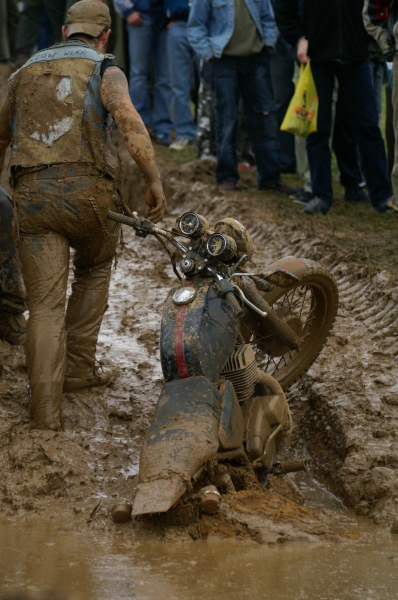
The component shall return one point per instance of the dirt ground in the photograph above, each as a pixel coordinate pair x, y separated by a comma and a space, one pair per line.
345, 410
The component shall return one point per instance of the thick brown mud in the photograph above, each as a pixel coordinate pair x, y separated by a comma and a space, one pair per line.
345, 413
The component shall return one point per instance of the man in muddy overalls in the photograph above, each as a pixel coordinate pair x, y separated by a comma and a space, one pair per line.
66, 172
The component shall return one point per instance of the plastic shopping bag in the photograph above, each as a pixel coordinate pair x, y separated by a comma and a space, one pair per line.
301, 116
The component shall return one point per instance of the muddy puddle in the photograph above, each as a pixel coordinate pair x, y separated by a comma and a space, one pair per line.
42, 555
297, 540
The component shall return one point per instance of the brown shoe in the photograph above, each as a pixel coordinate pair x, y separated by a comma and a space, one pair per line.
277, 186
98, 377
227, 186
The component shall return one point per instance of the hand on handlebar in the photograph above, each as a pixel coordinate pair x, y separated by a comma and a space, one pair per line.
155, 202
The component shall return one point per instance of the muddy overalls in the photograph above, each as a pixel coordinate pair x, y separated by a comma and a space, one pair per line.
65, 172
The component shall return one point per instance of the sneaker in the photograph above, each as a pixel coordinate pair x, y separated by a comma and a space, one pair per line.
162, 138
316, 206
387, 207
209, 157
393, 203
303, 198
227, 186
180, 144
99, 376
246, 166
277, 186
355, 193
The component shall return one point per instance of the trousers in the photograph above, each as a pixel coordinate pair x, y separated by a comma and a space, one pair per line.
58, 209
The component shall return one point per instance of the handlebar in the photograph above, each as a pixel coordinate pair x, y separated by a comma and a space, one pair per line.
143, 227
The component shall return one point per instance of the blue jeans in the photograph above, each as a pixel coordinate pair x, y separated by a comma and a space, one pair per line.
250, 77
358, 103
147, 42
181, 61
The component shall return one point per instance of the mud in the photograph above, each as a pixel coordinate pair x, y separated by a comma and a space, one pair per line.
344, 410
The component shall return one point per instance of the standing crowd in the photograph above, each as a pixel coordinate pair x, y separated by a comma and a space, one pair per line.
238, 59
240, 56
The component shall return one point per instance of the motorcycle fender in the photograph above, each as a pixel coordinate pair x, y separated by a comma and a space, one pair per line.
230, 432
293, 265
157, 496
183, 435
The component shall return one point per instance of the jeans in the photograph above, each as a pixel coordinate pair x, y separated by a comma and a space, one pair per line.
282, 69
249, 77
30, 21
9, 17
147, 42
358, 103
180, 56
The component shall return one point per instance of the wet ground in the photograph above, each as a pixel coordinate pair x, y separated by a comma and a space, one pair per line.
56, 489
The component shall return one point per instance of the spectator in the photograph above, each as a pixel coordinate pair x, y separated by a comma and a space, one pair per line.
181, 63
206, 141
9, 17
332, 36
146, 32
29, 26
239, 38
380, 20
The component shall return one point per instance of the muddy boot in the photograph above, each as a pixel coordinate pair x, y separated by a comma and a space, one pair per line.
46, 405
99, 376
86, 306
13, 325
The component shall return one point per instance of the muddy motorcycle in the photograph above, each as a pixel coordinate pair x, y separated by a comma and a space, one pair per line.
231, 341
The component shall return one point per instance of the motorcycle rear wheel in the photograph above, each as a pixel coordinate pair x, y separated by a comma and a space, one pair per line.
310, 307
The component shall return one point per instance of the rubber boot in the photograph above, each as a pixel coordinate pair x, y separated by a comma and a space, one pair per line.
86, 307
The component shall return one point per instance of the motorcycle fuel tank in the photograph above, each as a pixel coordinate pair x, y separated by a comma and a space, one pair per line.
197, 337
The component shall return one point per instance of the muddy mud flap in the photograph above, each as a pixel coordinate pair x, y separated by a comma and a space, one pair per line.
183, 435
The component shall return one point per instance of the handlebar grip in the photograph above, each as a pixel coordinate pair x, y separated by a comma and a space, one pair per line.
119, 218
234, 304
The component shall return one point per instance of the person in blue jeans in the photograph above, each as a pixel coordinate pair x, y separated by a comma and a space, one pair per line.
239, 37
145, 23
181, 64
332, 36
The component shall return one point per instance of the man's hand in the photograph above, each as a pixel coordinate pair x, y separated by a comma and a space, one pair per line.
155, 202
302, 50
116, 99
134, 19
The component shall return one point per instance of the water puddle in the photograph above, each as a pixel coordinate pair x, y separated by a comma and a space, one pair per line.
41, 555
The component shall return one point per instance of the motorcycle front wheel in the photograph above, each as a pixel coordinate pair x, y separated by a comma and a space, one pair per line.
309, 306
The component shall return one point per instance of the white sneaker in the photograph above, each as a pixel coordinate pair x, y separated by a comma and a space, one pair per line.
180, 144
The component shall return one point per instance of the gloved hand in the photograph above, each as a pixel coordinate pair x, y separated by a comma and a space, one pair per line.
155, 202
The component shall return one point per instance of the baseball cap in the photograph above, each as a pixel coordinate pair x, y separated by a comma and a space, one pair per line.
88, 16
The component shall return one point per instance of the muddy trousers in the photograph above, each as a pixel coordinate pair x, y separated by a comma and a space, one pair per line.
56, 345
51, 221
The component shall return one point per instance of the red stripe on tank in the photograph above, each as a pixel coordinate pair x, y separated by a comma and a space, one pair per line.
179, 339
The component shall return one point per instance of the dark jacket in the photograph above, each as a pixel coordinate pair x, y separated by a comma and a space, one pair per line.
177, 10
334, 28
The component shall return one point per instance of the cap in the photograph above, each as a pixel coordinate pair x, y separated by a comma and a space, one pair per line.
88, 16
